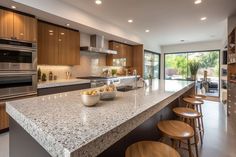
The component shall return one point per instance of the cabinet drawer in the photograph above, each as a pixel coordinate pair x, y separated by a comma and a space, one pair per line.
54, 90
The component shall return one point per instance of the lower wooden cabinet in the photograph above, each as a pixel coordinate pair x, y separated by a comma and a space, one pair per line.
54, 90
4, 118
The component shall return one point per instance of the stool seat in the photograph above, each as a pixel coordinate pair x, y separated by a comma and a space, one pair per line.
193, 101
198, 96
186, 112
150, 149
176, 129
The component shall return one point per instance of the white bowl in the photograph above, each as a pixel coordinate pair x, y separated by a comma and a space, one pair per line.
90, 100
108, 95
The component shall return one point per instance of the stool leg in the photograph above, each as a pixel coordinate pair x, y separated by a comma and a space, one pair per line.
200, 130
201, 118
195, 137
189, 148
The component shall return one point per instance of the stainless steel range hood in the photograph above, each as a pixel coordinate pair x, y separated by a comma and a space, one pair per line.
97, 45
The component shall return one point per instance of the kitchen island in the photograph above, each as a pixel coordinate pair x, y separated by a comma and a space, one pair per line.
60, 126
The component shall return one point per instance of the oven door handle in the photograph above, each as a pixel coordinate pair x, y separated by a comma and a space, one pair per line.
17, 74
21, 49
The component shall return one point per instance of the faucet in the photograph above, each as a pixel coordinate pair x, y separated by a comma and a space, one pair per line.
143, 81
136, 79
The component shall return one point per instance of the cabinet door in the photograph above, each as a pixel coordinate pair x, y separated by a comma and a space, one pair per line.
4, 119
69, 47
129, 56
47, 44
25, 28
74, 47
6, 24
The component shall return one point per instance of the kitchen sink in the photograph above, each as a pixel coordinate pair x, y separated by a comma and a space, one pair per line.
126, 88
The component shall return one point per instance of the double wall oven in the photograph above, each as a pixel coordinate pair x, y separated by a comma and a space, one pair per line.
18, 68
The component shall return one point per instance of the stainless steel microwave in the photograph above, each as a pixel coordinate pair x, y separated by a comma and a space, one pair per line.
17, 56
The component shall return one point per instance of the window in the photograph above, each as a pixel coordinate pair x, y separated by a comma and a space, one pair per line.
176, 68
151, 64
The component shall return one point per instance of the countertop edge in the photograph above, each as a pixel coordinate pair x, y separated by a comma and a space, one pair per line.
36, 133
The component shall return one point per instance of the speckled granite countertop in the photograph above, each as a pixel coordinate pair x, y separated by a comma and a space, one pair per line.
61, 82
66, 128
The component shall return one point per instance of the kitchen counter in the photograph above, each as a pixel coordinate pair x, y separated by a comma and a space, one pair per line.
66, 128
61, 82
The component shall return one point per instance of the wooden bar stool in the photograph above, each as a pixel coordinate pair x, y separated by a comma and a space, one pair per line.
177, 130
198, 96
197, 105
150, 149
190, 116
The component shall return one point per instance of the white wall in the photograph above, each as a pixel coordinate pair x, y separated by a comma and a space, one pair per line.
231, 23
199, 46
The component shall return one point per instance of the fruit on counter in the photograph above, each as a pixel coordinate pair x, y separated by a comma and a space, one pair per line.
90, 92
108, 88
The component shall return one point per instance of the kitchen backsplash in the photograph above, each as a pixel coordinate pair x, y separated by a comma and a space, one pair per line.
90, 64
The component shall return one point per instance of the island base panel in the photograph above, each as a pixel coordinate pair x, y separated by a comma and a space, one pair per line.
146, 131
22, 144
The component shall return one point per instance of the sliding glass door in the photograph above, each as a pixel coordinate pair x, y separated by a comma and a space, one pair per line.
176, 68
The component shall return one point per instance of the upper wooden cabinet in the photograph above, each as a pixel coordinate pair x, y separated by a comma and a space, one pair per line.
47, 44
57, 45
25, 28
124, 51
69, 47
17, 26
6, 24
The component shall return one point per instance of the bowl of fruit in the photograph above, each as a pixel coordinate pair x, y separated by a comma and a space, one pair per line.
108, 92
90, 97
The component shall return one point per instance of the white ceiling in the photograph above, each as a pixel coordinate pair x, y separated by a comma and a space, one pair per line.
168, 20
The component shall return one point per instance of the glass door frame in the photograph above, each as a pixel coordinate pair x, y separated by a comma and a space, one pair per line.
156, 53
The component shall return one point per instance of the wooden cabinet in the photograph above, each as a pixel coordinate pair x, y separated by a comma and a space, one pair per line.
25, 28
4, 119
6, 24
123, 51
47, 44
69, 44
17, 26
57, 45
129, 56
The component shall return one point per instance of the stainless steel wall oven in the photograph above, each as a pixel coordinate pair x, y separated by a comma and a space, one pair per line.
18, 68
16, 55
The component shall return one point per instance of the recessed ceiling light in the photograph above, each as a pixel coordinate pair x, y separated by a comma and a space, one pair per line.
50, 31
203, 18
13, 7
98, 2
130, 21
67, 24
197, 1
147, 30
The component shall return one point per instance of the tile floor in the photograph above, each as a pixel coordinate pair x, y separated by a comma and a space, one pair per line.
219, 138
